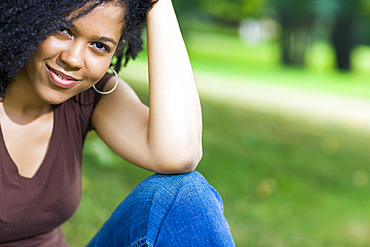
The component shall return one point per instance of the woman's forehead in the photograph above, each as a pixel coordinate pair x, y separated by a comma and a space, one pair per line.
105, 19
90, 6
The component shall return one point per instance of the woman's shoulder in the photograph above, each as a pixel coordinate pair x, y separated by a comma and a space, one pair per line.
104, 80
83, 104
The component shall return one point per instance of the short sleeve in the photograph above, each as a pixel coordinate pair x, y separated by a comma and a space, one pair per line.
81, 106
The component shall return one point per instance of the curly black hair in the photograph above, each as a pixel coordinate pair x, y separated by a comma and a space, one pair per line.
24, 24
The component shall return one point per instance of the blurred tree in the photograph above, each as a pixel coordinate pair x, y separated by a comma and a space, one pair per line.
186, 8
343, 36
231, 11
226, 11
296, 18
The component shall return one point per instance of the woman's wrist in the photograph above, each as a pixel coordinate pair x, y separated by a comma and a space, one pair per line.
158, 3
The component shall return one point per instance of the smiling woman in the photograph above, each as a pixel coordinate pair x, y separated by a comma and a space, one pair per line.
75, 57
54, 89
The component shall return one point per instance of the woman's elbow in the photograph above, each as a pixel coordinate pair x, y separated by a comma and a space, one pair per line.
184, 163
192, 162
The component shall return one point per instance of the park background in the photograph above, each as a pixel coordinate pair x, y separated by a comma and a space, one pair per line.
289, 174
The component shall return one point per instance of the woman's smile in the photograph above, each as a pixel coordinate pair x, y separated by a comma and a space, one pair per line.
60, 79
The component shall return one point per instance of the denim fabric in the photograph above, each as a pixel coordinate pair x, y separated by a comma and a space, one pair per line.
168, 210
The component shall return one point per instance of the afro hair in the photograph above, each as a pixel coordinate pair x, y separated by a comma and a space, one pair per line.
25, 24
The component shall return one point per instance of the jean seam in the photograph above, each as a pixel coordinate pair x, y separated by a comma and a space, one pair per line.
140, 243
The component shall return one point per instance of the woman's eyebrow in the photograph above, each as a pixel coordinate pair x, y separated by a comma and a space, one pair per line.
104, 39
97, 38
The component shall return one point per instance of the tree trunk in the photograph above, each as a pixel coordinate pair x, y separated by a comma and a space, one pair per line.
294, 42
286, 44
300, 43
342, 40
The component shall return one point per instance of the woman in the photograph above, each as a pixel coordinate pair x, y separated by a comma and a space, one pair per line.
54, 88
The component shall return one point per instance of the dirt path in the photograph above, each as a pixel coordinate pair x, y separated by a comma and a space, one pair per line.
318, 107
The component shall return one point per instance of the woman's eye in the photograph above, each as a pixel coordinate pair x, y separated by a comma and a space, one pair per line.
101, 47
64, 31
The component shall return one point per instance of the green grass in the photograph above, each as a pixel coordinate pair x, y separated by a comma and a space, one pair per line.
283, 182
286, 183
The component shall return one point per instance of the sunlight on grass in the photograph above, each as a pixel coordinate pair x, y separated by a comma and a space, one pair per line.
230, 48
320, 57
361, 59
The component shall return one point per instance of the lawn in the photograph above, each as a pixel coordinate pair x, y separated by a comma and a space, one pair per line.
284, 182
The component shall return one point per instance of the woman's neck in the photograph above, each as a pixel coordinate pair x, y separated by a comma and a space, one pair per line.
21, 102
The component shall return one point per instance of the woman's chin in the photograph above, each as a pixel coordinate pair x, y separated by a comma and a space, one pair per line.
54, 97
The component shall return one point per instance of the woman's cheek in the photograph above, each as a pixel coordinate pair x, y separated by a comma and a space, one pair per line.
96, 69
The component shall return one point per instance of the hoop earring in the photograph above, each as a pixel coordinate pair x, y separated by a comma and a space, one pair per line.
115, 86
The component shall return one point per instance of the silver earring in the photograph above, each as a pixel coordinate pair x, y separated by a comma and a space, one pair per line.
115, 86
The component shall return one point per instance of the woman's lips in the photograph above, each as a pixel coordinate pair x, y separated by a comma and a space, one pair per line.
60, 79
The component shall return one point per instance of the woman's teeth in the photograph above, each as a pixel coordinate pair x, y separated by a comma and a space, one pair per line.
63, 78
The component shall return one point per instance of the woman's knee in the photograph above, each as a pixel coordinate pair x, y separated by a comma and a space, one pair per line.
168, 189
167, 207
186, 207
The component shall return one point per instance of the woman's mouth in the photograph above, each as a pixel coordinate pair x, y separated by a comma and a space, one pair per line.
60, 79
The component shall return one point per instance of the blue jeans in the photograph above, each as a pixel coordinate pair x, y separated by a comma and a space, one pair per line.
168, 210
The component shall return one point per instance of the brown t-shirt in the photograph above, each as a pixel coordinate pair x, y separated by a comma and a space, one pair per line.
33, 209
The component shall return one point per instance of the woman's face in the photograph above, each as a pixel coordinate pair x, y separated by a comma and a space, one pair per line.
75, 58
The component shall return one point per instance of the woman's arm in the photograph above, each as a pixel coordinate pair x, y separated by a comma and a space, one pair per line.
166, 138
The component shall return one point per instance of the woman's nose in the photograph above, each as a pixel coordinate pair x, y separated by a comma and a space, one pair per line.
73, 56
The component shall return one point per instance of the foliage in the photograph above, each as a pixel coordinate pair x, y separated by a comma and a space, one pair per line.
232, 10
344, 23
298, 11
229, 11
340, 17
365, 7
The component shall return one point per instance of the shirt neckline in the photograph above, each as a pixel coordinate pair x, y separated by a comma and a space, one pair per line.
47, 162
